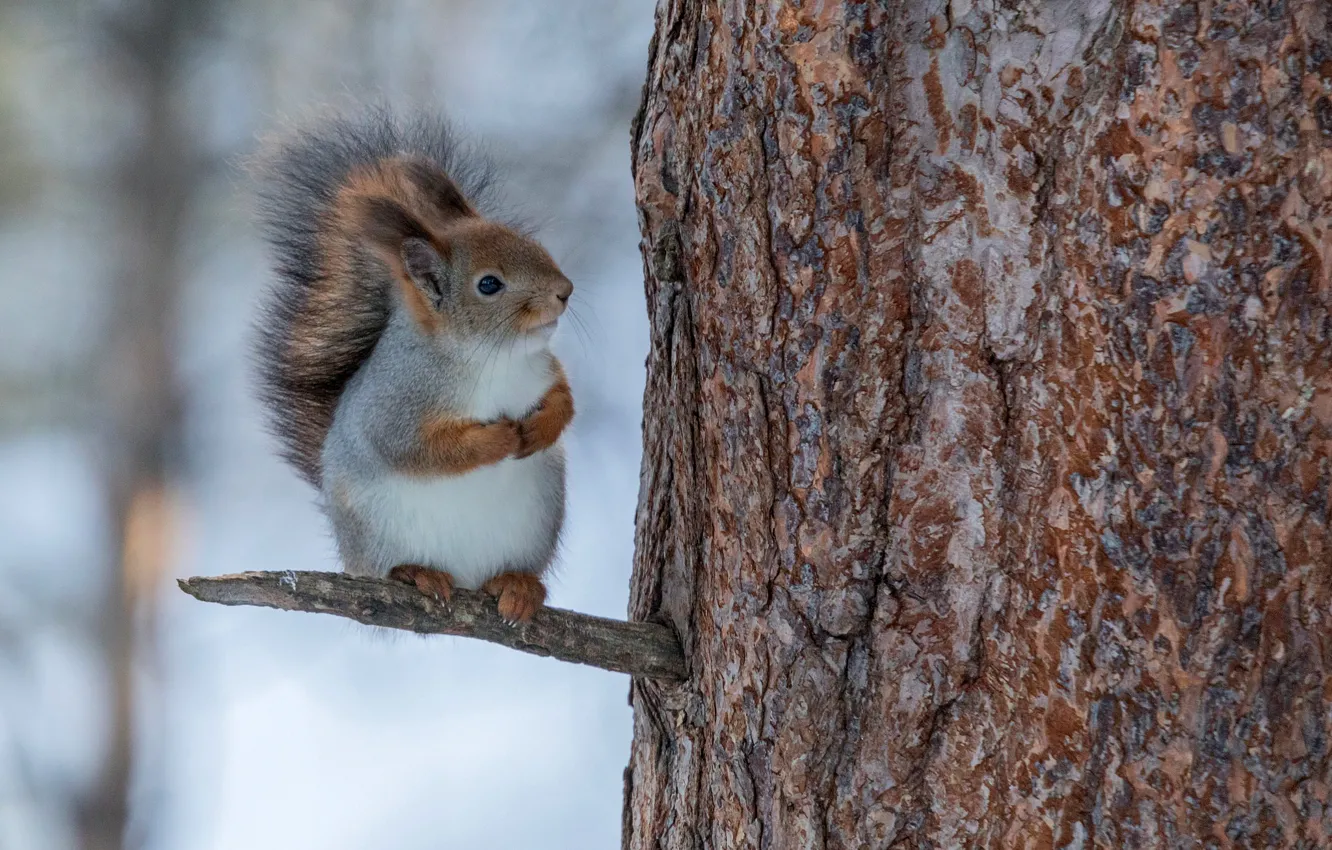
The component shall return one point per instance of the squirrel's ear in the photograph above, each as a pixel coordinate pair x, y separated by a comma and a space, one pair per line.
443, 193
425, 267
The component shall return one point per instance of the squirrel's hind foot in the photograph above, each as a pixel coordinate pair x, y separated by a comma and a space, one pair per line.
431, 582
518, 595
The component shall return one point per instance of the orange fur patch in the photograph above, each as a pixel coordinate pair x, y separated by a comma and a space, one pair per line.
452, 446
411, 186
541, 429
518, 595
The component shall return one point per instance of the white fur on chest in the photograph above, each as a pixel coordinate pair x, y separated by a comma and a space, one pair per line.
506, 382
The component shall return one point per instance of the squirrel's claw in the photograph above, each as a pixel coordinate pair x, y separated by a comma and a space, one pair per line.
518, 595
431, 582
528, 445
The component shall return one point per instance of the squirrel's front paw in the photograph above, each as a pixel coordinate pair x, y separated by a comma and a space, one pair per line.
500, 439
529, 440
540, 430
436, 583
518, 595
543, 426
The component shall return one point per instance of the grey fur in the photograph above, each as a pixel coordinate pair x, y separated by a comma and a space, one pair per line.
375, 434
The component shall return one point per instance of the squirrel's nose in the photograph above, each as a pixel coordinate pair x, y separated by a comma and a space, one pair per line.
563, 296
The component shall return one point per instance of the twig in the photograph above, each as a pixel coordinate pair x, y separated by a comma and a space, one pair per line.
640, 649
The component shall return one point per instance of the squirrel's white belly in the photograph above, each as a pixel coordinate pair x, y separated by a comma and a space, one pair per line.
473, 526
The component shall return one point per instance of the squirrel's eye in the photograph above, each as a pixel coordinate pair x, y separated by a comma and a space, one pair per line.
489, 285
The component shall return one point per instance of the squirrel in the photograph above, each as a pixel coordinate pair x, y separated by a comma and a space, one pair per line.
404, 359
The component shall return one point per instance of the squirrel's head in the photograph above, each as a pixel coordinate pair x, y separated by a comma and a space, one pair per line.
480, 280
459, 275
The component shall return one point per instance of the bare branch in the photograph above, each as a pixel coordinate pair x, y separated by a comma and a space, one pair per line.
640, 649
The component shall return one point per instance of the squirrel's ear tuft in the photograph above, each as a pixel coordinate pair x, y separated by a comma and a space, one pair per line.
404, 243
425, 267
385, 223
442, 193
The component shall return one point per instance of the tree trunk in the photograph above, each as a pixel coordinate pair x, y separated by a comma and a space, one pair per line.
988, 425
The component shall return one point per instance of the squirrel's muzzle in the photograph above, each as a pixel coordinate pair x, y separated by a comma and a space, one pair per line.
546, 309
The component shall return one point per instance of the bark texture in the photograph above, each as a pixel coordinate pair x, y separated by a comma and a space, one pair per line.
988, 427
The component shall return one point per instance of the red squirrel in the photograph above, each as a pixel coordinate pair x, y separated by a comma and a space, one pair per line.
404, 358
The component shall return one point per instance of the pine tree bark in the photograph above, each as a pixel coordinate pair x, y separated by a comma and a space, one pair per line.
988, 425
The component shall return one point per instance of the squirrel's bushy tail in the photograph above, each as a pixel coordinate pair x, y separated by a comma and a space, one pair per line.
331, 300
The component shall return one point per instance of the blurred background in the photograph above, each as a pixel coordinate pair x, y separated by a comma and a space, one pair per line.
132, 451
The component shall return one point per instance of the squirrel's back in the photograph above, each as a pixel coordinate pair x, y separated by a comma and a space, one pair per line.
331, 301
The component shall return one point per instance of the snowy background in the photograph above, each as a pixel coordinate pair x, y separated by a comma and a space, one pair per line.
253, 729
